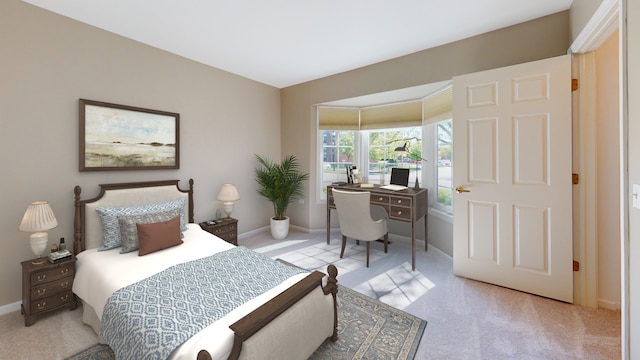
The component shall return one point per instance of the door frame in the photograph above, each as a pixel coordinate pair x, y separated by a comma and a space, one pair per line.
585, 241
605, 20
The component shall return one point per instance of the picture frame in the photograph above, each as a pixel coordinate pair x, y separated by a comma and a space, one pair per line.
121, 137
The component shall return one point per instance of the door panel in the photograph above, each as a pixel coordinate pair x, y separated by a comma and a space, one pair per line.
513, 153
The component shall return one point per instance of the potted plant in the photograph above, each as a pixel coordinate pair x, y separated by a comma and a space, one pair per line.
280, 183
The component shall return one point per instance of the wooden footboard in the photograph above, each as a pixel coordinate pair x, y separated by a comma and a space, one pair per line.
259, 318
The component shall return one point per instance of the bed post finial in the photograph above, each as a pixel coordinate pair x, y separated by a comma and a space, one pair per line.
77, 218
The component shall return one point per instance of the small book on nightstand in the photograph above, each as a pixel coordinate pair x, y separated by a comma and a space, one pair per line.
58, 256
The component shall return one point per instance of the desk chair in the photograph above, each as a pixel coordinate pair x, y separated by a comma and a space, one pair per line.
354, 214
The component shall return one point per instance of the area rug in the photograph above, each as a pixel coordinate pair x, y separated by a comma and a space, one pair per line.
367, 329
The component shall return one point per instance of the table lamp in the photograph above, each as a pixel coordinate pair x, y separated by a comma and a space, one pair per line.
37, 220
228, 195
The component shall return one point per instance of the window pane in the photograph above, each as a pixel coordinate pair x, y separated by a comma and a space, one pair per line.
445, 166
337, 152
383, 157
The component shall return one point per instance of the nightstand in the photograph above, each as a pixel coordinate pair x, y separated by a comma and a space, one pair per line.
226, 229
47, 287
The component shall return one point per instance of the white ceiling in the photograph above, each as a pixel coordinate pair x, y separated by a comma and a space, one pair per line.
287, 42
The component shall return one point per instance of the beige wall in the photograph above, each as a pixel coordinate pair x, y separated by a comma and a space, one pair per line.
581, 12
48, 62
608, 173
538, 39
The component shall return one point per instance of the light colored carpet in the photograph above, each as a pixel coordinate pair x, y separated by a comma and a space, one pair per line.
467, 319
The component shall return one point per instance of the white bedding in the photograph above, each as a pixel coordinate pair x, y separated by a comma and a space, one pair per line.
100, 273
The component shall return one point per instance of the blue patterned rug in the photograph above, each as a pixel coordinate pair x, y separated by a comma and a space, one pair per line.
367, 329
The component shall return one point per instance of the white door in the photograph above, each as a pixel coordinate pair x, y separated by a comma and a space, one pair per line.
512, 152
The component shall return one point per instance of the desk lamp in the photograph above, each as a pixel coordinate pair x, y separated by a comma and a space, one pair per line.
405, 148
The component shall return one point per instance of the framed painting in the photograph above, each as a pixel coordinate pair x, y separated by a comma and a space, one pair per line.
120, 137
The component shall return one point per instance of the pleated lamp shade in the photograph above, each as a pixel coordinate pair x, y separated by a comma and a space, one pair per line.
37, 220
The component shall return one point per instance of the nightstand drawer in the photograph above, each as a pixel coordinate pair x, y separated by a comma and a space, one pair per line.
230, 237
51, 302
226, 229
223, 229
52, 288
45, 276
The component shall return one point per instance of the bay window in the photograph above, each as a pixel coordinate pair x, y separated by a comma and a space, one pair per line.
366, 137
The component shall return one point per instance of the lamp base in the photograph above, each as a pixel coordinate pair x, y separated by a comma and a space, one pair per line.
417, 185
39, 242
38, 261
228, 208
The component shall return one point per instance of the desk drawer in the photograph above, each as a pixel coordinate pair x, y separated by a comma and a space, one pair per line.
400, 201
400, 213
379, 199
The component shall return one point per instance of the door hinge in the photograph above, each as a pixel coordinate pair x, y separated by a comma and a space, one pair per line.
575, 179
574, 84
576, 266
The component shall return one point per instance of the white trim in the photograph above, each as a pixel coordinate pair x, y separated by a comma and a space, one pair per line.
9, 308
585, 194
251, 233
624, 185
601, 25
609, 305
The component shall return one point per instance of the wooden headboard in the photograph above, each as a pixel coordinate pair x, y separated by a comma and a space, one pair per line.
87, 223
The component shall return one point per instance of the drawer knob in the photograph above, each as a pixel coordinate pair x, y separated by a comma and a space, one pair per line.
399, 201
42, 305
65, 297
42, 277
380, 198
64, 271
64, 284
399, 212
42, 291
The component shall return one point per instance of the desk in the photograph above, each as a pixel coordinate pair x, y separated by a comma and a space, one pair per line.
405, 205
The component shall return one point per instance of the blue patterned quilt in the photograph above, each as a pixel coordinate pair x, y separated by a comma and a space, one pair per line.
149, 319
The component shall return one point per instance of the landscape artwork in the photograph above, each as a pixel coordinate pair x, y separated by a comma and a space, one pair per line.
118, 137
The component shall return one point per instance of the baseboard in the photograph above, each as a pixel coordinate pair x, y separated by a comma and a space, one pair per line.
419, 242
247, 234
609, 305
9, 308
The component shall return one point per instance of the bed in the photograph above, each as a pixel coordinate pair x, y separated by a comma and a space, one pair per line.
199, 297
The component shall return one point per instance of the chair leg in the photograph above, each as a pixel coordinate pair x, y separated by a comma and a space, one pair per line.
368, 242
344, 243
386, 242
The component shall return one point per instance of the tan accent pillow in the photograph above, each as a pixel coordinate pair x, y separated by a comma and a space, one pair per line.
158, 236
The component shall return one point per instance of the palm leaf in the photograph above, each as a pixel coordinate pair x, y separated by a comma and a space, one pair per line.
280, 183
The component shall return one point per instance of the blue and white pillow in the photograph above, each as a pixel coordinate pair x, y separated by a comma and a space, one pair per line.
111, 228
129, 229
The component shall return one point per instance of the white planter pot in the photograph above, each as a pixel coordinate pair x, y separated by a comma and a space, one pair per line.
280, 228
